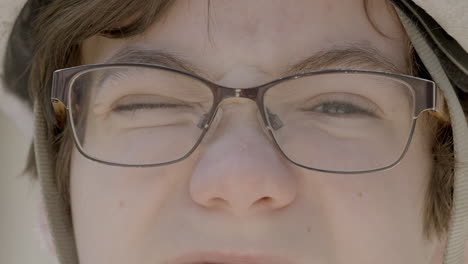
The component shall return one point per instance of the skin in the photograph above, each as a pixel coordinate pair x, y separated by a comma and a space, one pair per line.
253, 201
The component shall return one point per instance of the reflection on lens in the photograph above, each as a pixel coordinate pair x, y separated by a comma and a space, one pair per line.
137, 115
341, 122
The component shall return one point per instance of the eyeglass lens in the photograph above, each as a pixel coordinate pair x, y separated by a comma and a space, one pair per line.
333, 121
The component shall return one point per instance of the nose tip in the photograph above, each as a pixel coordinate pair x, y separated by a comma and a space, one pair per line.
242, 177
241, 193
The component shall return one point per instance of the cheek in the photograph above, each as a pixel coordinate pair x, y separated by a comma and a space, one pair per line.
119, 206
383, 209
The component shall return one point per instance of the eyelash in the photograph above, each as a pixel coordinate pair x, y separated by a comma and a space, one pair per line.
136, 107
355, 110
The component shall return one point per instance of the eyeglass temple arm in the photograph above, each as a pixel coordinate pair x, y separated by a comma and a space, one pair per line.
58, 100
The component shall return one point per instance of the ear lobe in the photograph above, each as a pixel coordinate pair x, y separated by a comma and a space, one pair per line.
44, 230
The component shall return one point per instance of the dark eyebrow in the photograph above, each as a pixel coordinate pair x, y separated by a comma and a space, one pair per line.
352, 56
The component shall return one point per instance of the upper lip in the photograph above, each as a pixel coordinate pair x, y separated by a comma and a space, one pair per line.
228, 258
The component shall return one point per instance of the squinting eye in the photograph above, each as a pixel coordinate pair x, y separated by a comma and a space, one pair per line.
150, 102
144, 106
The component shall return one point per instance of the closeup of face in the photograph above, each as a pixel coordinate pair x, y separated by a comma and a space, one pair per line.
236, 199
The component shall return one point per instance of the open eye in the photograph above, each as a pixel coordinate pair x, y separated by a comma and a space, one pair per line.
342, 105
342, 108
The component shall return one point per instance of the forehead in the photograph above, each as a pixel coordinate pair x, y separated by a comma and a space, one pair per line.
260, 38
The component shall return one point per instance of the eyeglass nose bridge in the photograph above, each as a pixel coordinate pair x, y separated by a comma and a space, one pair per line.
255, 94
222, 93
248, 93
270, 120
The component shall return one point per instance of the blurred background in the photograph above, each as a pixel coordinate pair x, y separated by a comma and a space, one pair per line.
19, 222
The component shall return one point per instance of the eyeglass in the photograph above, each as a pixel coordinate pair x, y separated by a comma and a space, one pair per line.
337, 121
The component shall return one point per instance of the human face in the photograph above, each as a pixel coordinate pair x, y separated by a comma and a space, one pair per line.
236, 199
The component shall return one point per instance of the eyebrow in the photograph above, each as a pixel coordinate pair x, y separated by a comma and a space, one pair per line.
353, 56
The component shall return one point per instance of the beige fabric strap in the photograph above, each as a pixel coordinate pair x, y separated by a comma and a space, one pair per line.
57, 217
458, 230
451, 15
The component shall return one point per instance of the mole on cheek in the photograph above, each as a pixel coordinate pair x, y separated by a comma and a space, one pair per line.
121, 204
359, 194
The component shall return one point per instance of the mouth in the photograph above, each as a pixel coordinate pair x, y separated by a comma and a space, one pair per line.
228, 258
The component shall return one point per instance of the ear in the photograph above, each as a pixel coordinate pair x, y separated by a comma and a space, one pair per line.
44, 229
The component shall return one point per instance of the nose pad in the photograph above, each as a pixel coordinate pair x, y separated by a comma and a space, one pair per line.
211, 127
274, 120
264, 126
203, 122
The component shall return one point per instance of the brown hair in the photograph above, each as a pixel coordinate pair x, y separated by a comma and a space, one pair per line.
64, 25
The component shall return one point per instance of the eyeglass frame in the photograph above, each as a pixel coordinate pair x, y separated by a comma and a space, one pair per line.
64, 78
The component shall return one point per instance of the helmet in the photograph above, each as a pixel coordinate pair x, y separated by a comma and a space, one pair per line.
440, 41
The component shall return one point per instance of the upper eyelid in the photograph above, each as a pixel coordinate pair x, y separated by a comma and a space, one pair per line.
351, 99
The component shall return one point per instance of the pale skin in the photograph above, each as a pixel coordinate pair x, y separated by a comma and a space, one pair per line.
252, 201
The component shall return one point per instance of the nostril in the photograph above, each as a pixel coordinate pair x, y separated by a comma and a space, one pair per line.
264, 200
216, 202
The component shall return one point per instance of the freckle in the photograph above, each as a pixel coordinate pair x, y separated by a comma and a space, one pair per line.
360, 194
121, 204
308, 229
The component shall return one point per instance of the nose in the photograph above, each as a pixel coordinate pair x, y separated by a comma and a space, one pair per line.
240, 170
